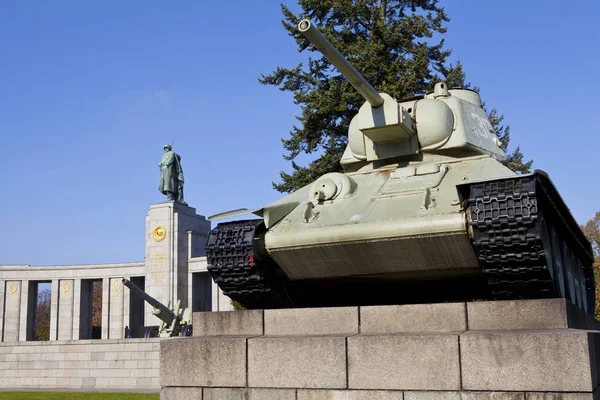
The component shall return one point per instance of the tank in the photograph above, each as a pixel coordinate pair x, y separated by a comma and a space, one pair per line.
425, 210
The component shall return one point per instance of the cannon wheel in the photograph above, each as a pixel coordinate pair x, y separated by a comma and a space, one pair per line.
151, 331
186, 330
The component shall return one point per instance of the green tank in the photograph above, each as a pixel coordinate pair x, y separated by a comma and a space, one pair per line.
425, 211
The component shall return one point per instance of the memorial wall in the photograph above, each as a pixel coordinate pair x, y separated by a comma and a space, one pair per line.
80, 355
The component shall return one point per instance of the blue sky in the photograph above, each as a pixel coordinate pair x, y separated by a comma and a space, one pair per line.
90, 92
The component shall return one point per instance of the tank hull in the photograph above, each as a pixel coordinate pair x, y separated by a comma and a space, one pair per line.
440, 230
403, 220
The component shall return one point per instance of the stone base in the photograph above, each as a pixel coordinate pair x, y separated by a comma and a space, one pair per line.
528, 349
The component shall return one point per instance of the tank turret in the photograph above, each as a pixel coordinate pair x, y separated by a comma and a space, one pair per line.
425, 210
442, 121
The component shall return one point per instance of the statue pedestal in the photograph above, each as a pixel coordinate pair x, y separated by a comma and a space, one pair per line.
166, 261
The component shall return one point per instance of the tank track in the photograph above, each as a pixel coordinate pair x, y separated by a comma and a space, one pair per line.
234, 265
505, 222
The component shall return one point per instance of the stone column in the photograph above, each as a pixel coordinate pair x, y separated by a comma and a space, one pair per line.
2, 312
126, 308
105, 307
76, 308
24, 315
65, 309
12, 311
54, 310
167, 253
115, 309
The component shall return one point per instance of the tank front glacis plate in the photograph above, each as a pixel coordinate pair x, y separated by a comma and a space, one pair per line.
403, 220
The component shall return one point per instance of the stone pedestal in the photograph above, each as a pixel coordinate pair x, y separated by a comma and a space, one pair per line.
166, 260
529, 349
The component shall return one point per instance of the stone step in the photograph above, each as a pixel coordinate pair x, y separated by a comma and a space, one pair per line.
411, 318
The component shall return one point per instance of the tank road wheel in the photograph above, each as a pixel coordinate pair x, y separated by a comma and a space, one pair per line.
547, 249
590, 292
569, 273
579, 294
588, 297
582, 289
558, 265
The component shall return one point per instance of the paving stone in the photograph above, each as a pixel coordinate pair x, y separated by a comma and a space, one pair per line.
542, 361
297, 362
203, 362
228, 323
312, 321
307, 394
249, 394
404, 362
434, 318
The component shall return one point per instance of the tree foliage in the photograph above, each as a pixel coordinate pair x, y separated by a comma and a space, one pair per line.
592, 232
394, 46
42, 315
97, 302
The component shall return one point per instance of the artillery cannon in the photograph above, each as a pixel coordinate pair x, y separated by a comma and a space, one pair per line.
425, 210
175, 322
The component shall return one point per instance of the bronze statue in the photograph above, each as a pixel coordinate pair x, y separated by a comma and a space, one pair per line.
171, 179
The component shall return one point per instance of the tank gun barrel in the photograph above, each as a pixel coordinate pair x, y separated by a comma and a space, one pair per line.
333, 55
160, 310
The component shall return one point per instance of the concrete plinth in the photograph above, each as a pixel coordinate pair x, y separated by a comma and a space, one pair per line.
503, 350
167, 226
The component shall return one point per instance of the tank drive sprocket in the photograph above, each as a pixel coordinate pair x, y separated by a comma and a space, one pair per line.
239, 270
525, 240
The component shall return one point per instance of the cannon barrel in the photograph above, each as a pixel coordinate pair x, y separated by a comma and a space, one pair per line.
333, 55
160, 310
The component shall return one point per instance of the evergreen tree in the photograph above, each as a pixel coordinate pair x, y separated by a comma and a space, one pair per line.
391, 44
592, 232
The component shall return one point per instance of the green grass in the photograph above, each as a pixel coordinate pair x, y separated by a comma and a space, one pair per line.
76, 396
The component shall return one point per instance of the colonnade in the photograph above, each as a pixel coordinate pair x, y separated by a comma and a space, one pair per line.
174, 269
71, 300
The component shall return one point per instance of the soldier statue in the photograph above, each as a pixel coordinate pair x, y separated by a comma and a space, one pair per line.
171, 178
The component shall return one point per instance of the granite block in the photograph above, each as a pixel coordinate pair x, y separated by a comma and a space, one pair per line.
542, 361
560, 396
404, 362
312, 321
297, 362
464, 396
181, 393
228, 323
248, 394
434, 318
203, 362
308, 394
524, 314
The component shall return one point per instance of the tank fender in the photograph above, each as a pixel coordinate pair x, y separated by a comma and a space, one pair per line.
275, 213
